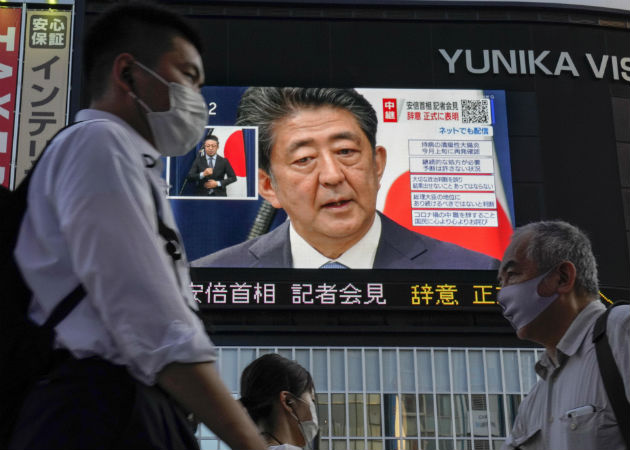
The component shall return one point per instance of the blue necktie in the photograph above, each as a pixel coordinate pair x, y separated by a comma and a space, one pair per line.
333, 265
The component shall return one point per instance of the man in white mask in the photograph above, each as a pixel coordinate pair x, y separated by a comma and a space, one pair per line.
133, 359
550, 295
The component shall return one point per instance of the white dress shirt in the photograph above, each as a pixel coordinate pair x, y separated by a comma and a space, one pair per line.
360, 256
91, 219
547, 417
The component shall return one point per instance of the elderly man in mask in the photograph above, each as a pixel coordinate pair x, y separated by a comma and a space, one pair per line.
550, 296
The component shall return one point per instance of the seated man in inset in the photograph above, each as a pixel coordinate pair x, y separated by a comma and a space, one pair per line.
318, 160
211, 172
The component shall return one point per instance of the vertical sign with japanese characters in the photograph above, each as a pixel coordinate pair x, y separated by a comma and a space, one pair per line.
10, 22
44, 85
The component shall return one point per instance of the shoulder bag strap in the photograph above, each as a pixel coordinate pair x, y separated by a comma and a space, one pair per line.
613, 383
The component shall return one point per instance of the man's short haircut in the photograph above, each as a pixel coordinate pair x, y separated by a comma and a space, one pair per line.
264, 106
553, 242
144, 30
212, 137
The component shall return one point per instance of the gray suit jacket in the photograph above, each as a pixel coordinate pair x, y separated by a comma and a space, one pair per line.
398, 248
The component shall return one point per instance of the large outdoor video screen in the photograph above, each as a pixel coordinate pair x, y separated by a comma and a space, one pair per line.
447, 177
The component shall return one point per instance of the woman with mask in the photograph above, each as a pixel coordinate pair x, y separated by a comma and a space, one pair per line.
279, 395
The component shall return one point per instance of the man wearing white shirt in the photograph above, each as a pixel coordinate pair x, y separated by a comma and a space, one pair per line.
318, 160
211, 172
133, 359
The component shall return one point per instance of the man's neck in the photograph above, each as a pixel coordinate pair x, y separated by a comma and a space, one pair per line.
134, 116
554, 325
333, 248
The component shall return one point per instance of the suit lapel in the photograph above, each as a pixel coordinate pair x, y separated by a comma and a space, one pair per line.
397, 246
274, 248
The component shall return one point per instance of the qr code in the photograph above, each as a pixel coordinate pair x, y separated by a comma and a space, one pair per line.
475, 111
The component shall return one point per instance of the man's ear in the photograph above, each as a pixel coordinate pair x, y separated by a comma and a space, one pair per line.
266, 189
121, 72
380, 160
567, 274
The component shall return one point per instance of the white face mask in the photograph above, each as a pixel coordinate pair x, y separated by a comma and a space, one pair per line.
521, 302
179, 129
309, 428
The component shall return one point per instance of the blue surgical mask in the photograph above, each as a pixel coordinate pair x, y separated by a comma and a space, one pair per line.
521, 302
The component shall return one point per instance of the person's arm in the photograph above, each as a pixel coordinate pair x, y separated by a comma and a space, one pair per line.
193, 173
231, 176
199, 389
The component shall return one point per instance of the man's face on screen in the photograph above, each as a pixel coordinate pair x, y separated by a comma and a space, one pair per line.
211, 146
325, 176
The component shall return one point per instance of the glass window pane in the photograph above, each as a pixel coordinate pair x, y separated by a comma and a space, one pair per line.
510, 371
355, 415
493, 368
337, 371
355, 370
322, 414
338, 414
513, 401
479, 414
409, 416
375, 445
286, 353
391, 414
372, 371
390, 367
427, 414
442, 379
497, 421
339, 444
445, 444
461, 414
407, 372
528, 374
445, 415
246, 356
320, 370
229, 368
303, 359
477, 382
264, 351
425, 371
460, 376
483, 445
428, 444
324, 444
374, 415
357, 444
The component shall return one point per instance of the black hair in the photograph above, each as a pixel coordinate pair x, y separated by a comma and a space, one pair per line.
211, 137
141, 29
264, 106
264, 378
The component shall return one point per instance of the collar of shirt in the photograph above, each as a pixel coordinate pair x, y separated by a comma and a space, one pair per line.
359, 256
573, 338
90, 114
147, 149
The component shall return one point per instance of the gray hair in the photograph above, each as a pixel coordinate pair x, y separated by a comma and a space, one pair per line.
553, 242
264, 106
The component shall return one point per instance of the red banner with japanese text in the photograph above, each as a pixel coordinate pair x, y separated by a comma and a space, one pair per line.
10, 28
44, 95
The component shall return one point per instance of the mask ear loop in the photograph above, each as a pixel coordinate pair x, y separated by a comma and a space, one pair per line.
309, 445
